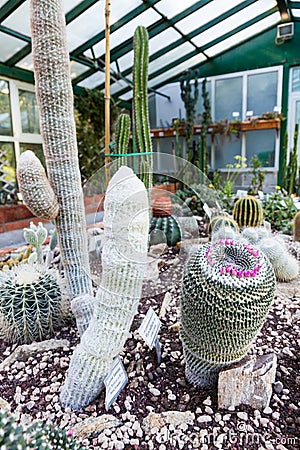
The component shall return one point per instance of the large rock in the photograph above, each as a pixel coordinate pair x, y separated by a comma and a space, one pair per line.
175, 418
95, 425
247, 382
23, 352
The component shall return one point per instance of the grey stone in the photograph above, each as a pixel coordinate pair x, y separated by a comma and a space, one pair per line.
248, 382
95, 425
278, 387
159, 420
152, 269
23, 352
165, 305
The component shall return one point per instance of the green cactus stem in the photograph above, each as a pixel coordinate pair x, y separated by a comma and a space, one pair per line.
36, 236
140, 101
248, 212
227, 290
35, 188
164, 229
297, 227
55, 101
122, 138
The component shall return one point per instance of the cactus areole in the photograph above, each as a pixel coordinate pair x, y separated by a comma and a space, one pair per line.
55, 101
227, 290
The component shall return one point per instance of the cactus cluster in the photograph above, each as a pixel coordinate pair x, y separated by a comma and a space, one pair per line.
227, 290
248, 212
36, 236
285, 266
21, 258
30, 303
42, 436
255, 234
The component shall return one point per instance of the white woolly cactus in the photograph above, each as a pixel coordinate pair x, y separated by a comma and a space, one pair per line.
31, 303
286, 269
255, 234
285, 266
124, 256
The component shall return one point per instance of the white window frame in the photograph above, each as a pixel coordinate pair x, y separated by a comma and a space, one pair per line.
18, 137
293, 98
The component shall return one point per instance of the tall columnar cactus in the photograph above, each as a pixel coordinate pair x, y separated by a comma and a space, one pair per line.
30, 303
190, 102
248, 212
285, 266
140, 101
297, 226
227, 290
122, 138
124, 255
55, 101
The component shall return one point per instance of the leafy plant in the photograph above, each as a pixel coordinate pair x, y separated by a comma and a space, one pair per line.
279, 210
258, 176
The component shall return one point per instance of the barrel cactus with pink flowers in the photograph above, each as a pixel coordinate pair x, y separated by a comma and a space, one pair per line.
228, 287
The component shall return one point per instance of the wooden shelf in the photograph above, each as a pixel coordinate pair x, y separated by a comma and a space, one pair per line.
260, 124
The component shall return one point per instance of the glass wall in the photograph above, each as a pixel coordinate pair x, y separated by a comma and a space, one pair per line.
5, 113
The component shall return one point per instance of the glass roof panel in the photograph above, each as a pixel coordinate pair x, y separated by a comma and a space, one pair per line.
127, 96
126, 61
93, 81
19, 20
9, 46
122, 34
118, 86
243, 35
68, 5
26, 63
296, 12
120, 9
86, 25
171, 8
205, 14
177, 69
232, 22
162, 39
77, 69
173, 55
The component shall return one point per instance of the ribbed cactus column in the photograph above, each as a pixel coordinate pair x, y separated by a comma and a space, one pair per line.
227, 290
140, 101
55, 100
124, 256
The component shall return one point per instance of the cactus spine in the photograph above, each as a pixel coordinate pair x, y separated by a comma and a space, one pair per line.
55, 100
124, 256
122, 138
297, 226
140, 101
227, 290
248, 212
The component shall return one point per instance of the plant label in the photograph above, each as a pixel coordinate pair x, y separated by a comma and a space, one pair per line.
261, 195
115, 382
207, 210
158, 349
240, 193
150, 327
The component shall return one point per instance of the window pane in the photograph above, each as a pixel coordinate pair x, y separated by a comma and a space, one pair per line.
228, 98
7, 171
225, 151
29, 112
296, 79
5, 115
262, 144
35, 148
262, 92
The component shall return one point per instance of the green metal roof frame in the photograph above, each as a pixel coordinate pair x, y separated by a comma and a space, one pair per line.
10, 67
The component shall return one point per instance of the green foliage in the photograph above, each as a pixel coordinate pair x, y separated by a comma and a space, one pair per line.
279, 211
194, 203
140, 101
30, 303
90, 130
248, 212
297, 227
190, 100
293, 165
258, 176
39, 436
164, 229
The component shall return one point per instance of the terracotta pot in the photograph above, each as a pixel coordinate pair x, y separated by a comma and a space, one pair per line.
162, 207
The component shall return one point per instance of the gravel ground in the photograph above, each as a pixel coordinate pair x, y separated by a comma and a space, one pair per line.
32, 387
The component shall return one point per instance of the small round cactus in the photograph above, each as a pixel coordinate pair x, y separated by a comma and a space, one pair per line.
222, 221
285, 266
164, 229
248, 212
30, 303
228, 287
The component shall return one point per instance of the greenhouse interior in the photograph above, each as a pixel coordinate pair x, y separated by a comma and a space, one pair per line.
149, 224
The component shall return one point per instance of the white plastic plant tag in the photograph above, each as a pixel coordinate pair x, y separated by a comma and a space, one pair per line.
115, 382
267, 225
150, 327
240, 193
207, 210
297, 204
261, 195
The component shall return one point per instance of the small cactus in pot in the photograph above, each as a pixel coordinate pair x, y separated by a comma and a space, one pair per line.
228, 287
